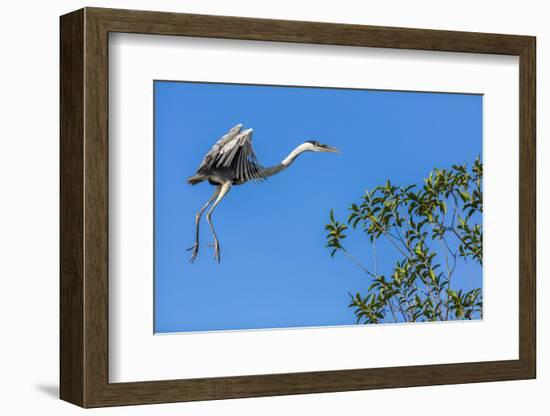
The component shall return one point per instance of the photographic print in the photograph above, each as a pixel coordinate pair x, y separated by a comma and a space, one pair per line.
295, 207
325, 186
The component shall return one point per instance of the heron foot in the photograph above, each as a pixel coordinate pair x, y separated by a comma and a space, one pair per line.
216, 246
195, 249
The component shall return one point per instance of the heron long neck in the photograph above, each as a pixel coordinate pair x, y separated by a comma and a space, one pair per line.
287, 161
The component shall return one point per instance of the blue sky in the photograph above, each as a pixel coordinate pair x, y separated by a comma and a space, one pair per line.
275, 270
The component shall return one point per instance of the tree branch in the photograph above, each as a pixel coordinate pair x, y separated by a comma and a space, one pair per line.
353, 259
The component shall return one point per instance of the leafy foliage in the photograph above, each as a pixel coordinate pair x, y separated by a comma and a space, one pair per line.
431, 227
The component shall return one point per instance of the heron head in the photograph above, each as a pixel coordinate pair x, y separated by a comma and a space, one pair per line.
315, 146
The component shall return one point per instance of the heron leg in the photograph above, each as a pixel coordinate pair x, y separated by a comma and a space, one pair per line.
195, 246
223, 191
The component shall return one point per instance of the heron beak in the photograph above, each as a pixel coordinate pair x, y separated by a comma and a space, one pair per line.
327, 148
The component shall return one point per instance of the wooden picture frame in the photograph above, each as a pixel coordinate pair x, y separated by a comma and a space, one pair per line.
84, 207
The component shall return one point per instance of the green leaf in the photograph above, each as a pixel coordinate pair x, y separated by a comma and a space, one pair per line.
416, 221
464, 195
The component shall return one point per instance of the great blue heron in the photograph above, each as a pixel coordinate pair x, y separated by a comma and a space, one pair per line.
232, 161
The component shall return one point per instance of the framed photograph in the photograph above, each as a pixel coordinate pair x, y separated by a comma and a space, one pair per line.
255, 207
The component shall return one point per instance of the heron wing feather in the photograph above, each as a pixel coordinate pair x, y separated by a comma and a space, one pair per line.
233, 151
220, 148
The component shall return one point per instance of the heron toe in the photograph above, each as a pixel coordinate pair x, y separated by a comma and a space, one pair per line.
216, 246
195, 249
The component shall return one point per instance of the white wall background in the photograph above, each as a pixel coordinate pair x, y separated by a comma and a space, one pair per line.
29, 208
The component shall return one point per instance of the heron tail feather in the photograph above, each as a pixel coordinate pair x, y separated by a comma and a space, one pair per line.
195, 179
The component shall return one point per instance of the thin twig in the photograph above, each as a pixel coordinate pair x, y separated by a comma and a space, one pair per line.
388, 234
358, 263
475, 251
390, 303
375, 259
448, 278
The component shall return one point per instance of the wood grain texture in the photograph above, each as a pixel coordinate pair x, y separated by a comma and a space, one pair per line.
71, 158
162, 23
96, 208
84, 207
527, 208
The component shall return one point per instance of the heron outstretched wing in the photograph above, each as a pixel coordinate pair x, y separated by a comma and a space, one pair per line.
233, 152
